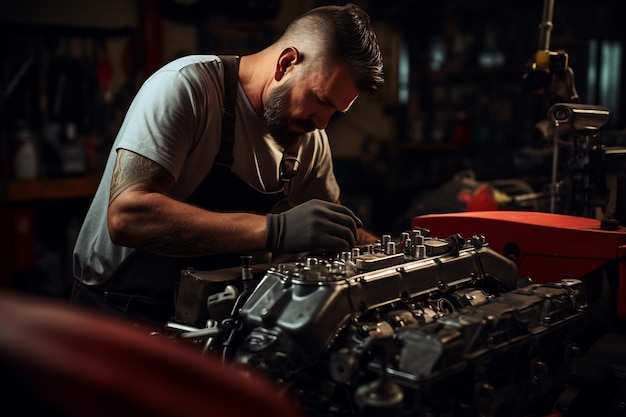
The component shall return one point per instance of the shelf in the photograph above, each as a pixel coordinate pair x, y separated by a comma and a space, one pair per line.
48, 189
21, 28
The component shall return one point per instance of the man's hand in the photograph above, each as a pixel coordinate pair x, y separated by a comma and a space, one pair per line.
314, 225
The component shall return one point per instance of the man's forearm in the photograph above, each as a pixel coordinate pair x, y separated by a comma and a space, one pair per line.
161, 225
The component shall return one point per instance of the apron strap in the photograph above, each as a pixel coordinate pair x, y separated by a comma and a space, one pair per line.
224, 157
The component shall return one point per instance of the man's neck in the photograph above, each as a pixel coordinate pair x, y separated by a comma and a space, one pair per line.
255, 77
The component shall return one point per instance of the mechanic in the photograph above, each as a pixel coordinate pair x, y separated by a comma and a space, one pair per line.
185, 186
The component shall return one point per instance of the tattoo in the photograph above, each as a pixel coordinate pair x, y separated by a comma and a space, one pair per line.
131, 169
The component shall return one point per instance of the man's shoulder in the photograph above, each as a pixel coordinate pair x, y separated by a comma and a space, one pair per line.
192, 61
199, 73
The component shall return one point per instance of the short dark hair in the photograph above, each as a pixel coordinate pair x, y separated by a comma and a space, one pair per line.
352, 39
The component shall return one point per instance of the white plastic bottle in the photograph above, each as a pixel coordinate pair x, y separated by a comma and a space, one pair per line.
25, 158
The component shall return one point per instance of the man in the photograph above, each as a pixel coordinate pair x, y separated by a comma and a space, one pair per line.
177, 192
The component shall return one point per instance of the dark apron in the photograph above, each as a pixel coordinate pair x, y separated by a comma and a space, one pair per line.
143, 287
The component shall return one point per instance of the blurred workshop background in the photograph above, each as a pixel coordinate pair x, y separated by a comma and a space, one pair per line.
457, 111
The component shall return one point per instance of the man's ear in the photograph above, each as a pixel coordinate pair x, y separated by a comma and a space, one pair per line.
288, 57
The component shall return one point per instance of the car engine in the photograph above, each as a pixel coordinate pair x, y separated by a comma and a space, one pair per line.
418, 326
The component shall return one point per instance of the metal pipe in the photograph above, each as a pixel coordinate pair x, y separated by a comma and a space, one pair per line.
202, 333
555, 163
545, 27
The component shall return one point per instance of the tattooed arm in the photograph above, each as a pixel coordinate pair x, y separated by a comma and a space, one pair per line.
141, 215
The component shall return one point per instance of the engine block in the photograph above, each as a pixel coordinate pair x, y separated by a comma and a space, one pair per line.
421, 327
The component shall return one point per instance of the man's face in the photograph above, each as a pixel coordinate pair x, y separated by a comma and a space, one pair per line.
302, 104
278, 123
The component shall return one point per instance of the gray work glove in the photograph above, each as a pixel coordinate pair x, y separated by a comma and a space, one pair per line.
314, 225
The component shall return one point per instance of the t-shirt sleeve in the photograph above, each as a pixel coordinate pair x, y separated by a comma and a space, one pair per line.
160, 121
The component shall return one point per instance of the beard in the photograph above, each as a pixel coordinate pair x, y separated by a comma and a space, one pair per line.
278, 125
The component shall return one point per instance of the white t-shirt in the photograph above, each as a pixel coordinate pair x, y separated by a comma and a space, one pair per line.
175, 120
